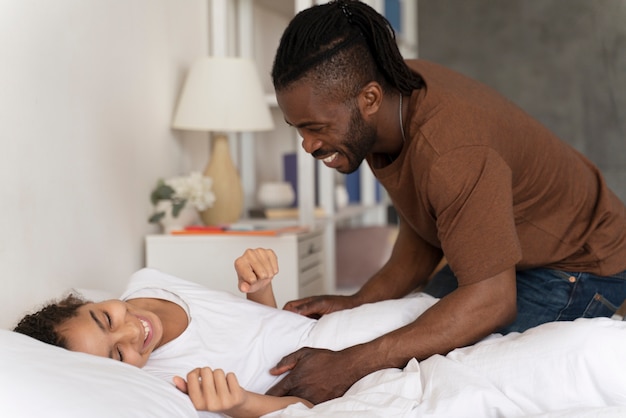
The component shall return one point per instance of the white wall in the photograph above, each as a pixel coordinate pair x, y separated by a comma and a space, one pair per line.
87, 91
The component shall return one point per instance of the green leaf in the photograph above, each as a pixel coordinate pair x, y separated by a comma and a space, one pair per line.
156, 218
161, 192
177, 206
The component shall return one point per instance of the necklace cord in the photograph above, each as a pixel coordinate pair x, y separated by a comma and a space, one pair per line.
401, 121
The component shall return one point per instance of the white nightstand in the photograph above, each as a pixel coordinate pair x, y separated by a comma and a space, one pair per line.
209, 260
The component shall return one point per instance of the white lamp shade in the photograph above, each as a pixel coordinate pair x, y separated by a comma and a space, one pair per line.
223, 94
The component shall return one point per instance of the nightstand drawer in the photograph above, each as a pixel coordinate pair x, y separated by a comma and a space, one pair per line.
310, 274
315, 286
310, 261
310, 245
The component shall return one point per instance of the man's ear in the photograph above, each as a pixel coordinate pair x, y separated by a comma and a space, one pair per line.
370, 98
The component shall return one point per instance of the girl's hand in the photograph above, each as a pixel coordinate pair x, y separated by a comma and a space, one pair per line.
213, 390
255, 269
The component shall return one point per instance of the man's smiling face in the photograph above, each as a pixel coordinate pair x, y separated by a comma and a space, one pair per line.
332, 131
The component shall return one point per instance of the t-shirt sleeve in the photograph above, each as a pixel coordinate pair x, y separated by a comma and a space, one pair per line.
470, 190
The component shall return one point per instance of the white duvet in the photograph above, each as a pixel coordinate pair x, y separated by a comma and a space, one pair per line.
553, 368
563, 369
560, 369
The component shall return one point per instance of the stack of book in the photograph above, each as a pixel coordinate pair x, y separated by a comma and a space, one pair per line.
280, 213
238, 230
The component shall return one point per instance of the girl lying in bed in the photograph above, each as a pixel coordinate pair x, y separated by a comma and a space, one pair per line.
169, 326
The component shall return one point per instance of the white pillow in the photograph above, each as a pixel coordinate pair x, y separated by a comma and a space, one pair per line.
38, 379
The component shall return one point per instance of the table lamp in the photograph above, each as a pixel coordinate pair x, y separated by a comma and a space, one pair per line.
221, 95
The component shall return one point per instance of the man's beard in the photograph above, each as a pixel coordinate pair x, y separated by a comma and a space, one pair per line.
359, 141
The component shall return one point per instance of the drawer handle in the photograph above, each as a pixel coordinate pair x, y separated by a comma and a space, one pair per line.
311, 248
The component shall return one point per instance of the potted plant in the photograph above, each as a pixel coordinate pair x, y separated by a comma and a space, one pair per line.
176, 201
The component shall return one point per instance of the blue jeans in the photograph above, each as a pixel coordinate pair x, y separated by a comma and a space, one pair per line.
545, 295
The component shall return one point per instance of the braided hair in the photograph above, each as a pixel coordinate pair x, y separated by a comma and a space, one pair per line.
343, 44
43, 324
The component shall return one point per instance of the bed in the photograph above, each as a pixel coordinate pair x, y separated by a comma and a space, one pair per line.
555, 370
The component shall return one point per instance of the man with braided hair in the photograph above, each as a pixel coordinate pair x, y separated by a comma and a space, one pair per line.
527, 225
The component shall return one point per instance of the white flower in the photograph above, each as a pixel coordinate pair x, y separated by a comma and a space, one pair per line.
194, 188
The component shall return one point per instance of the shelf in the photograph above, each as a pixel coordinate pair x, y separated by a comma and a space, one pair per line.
347, 213
353, 211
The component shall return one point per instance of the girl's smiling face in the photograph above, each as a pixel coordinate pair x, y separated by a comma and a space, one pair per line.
114, 329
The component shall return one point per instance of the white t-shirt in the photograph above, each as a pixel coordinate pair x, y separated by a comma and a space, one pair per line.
229, 332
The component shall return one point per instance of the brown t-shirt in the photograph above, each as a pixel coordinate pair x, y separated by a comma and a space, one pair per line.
492, 187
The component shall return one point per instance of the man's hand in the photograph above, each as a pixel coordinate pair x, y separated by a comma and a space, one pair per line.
316, 375
316, 306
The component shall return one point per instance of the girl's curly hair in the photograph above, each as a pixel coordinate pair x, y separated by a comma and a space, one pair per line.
43, 324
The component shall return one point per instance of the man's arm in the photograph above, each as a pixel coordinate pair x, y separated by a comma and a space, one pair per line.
463, 317
411, 263
466, 315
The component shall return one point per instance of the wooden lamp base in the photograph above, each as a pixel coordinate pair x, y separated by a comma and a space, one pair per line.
227, 186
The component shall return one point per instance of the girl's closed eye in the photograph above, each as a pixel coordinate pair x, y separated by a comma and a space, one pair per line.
108, 318
120, 356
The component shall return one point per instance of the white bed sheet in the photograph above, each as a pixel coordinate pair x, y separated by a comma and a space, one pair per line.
559, 369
